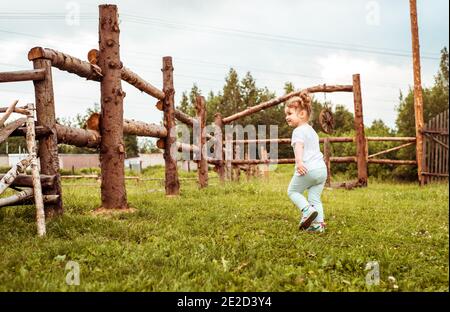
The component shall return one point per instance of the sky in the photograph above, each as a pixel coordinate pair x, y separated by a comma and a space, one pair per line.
305, 42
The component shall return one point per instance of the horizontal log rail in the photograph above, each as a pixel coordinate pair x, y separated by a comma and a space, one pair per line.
77, 137
131, 127
345, 159
98, 177
349, 159
23, 75
184, 118
67, 63
139, 83
132, 78
143, 129
436, 131
183, 147
435, 174
25, 197
276, 101
41, 132
22, 180
20, 110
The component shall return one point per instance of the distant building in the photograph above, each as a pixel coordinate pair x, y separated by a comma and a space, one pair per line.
78, 161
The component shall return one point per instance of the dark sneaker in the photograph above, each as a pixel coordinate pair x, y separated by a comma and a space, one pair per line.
308, 215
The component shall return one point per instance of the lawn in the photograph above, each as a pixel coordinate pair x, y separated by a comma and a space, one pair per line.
238, 237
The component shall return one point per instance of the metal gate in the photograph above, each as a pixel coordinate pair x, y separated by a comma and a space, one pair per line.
436, 148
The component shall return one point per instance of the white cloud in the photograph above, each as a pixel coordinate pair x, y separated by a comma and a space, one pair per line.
380, 83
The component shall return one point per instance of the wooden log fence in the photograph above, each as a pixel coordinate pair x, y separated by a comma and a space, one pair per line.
104, 66
284, 98
107, 128
327, 141
24, 75
31, 160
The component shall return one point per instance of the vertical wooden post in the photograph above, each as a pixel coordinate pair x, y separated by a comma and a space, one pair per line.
237, 168
172, 183
112, 148
360, 136
265, 166
248, 171
218, 146
37, 189
228, 155
203, 161
327, 158
418, 100
48, 146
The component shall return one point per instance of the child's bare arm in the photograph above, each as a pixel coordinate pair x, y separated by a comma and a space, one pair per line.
301, 169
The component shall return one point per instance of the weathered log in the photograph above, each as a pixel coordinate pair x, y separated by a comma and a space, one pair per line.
23, 75
48, 145
200, 107
67, 63
9, 128
359, 129
184, 118
183, 147
23, 180
12, 173
172, 184
135, 80
140, 128
25, 197
345, 159
132, 78
131, 127
78, 137
39, 130
273, 102
37, 189
20, 110
8, 112
112, 147
18, 197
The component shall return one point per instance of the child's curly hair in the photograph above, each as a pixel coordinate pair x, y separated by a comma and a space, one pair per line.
302, 102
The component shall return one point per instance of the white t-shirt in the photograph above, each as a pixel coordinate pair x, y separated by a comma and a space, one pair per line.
312, 156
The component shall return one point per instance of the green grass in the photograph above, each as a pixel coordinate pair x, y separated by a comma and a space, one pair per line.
238, 237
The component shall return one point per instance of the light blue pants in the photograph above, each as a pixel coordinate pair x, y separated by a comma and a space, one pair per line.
313, 181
